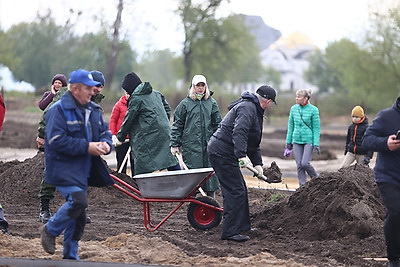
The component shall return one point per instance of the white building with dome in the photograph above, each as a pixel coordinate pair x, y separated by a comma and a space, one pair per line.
288, 55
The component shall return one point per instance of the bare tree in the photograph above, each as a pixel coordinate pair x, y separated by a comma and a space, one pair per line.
114, 51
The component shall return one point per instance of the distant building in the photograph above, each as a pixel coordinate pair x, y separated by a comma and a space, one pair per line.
288, 56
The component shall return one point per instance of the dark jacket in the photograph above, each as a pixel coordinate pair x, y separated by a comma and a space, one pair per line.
240, 131
355, 133
42, 123
147, 123
387, 122
68, 162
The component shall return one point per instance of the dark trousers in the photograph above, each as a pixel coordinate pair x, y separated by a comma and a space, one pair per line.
391, 198
120, 152
236, 217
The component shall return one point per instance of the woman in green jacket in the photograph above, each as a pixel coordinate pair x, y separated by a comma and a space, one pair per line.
195, 120
303, 134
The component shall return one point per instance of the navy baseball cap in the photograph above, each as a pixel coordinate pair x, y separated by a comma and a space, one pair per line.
82, 76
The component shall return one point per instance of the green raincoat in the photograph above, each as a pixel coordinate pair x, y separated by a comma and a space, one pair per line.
147, 123
194, 123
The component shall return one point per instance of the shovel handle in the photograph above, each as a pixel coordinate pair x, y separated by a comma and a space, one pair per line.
252, 169
182, 163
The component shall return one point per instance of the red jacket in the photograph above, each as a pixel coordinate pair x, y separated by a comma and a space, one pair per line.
118, 114
2, 111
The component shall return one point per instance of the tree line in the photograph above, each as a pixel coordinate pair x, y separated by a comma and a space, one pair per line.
347, 73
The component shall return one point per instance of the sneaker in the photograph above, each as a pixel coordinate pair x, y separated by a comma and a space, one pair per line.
47, 240
44, 216
3, 229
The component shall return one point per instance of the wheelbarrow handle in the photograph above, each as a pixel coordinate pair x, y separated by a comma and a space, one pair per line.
252, 169
182, 163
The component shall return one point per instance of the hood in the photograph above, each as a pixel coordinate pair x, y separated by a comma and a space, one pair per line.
246, 96
143, 89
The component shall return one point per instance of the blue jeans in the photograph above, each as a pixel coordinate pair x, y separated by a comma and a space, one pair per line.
62, 221
303, 156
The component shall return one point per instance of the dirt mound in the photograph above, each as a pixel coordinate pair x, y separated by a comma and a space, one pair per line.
318, 224
334, 205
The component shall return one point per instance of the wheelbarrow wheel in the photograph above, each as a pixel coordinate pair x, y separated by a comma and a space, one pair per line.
202, 217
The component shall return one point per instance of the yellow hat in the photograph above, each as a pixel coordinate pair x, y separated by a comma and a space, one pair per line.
357, 112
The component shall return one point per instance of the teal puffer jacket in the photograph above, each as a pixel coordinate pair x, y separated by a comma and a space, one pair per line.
303, 125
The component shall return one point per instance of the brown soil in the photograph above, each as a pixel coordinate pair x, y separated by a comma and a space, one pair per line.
335, 220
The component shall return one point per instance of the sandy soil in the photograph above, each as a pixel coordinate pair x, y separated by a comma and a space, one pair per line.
335, 220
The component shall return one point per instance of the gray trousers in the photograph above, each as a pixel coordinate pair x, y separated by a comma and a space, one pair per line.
303, 156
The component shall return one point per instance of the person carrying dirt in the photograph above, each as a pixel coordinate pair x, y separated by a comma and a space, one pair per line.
58, 81
46, 191
117, 117
196, 118
303, 134
239, 135
76, 137
383, 136
147, 123
354, 151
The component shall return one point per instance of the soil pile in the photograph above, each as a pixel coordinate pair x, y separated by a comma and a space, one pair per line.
335, 219
335, 205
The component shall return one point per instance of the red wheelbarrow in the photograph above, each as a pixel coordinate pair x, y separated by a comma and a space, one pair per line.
179, 187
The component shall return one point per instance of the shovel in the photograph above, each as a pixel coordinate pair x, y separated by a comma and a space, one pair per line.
182, 163
263, 177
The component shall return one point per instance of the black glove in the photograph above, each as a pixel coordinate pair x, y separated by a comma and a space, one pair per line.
317, 150
366, 160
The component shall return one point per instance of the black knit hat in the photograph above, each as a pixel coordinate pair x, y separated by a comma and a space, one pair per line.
130, 82
61, 78
267, 92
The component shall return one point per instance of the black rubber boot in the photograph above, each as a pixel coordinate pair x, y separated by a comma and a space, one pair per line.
44, 214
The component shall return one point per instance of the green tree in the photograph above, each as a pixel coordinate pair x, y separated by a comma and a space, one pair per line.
161, 69
194, 16
320, 73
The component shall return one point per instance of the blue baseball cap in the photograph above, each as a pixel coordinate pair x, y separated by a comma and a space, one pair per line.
82, 76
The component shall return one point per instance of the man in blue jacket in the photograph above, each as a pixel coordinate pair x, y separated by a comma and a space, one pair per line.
239, 135
76, 137
380, 136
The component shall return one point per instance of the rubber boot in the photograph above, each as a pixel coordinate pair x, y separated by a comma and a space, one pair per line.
44, 214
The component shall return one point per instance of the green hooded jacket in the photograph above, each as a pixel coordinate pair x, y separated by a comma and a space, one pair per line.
147, 123
42, 123
194, 123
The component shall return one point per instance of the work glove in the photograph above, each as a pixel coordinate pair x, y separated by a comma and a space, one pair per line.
288, 150
366, 160
175, 150
115, 141
243, 162
317, 150
259, 170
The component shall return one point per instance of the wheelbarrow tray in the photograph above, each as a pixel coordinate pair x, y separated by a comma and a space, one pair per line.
171, 184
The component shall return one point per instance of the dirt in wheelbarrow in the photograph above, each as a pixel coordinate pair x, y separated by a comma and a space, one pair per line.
334, 220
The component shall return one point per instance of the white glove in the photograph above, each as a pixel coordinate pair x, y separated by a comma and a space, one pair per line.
243, 162
259, 170
115, 141
175, 150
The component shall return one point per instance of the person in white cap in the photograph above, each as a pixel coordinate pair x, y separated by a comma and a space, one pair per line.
196, 118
